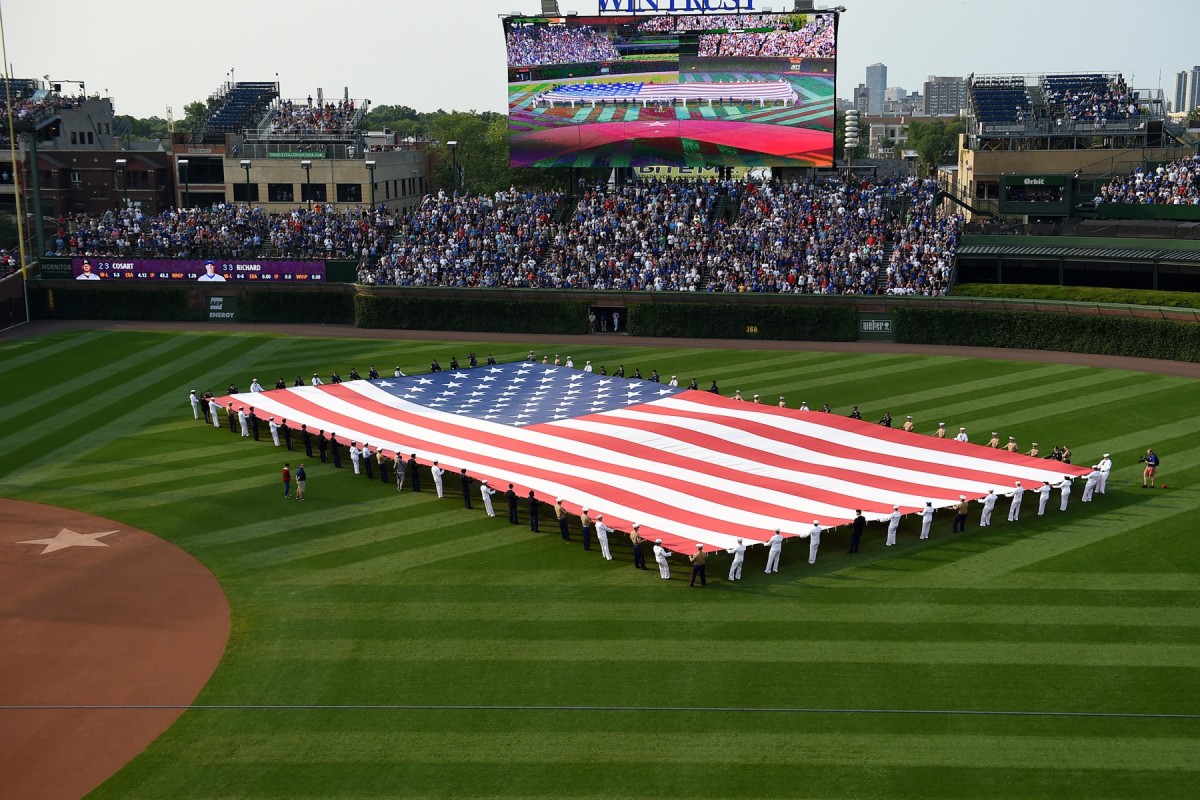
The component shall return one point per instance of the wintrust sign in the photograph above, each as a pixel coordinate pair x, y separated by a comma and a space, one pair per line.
674, 6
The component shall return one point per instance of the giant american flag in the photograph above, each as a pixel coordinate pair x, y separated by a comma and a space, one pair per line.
689, 466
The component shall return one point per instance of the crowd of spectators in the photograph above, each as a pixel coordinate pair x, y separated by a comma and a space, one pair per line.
817, 39
1176, 183
540, 45
298, 118
225, 231
8, 263
817, 237
1095, 100
668, 24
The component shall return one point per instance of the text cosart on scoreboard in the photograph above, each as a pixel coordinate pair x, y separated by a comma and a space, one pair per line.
714, 90
198, 270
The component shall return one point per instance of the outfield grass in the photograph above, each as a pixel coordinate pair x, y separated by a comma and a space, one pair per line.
365, 597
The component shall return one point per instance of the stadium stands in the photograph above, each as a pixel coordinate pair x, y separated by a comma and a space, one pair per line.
540, 45
1176, 183
224, 231
293, 117
999, 100
1089, 97
243, 102
819, 236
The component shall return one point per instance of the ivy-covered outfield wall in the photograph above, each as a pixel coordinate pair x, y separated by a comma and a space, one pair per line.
803, 322
1073, 333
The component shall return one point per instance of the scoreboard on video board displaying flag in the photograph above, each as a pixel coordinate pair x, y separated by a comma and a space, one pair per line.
712, 90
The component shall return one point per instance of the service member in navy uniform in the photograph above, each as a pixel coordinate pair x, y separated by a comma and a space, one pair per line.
367, 458
306, 437
287, 434
511, 497
383, 473
472, 361
416, 475
281, 384
533, 512
337, 450
859, 524
253, 423
466, 487
491, 360
323, 447
373, 373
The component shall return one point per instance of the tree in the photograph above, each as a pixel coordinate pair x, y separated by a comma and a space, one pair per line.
936, 141
195, 114
148, 128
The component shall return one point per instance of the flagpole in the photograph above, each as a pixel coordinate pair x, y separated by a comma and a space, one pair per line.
12, 154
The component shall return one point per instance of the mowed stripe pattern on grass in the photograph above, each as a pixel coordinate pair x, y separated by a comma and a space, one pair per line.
363, 595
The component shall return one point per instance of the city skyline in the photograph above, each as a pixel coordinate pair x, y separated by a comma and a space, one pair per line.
407, 60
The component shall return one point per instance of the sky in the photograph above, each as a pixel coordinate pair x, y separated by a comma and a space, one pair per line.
450, 53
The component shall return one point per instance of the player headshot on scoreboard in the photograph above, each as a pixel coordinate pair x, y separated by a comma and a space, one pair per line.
87, 274
211, 274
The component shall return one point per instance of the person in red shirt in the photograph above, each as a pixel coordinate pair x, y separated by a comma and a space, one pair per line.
287, 480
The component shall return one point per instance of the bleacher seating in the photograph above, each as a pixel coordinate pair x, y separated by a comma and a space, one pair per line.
1000, 100
244, 100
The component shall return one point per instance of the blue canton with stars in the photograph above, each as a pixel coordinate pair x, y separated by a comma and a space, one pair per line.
525, 393
600, 90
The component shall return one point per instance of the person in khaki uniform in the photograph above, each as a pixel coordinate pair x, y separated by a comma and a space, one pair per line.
1033, 451
994, 442
940, 433
561, 514
698, 558
960, 514
908, 424
1012, 445
635, 539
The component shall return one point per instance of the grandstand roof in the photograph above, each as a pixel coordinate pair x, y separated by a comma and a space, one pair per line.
1105, 253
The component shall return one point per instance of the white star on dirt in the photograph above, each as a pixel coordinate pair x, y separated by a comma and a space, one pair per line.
69, 538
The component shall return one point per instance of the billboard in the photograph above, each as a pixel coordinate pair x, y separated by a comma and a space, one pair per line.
200, 271
712, 90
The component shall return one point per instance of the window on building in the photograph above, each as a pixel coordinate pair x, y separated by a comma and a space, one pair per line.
74, 137
349, 192
281, 193
91, 138
318, 192
76, 179
245, 193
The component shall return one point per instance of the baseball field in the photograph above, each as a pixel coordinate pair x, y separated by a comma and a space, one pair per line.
389, 644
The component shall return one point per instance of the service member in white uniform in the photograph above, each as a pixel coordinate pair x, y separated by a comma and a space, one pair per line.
893, 526
1105, 468
244, 422
962, 435
661, 554
437, 473
274, 431
926, 519
814, 541
1089, 486
1044, 496
355, 458
1014, 508
214, 410
255, 386
316, 380
1064, 489
195, 401
487, 492
602, 532
989, 505
775, 545
739, 557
